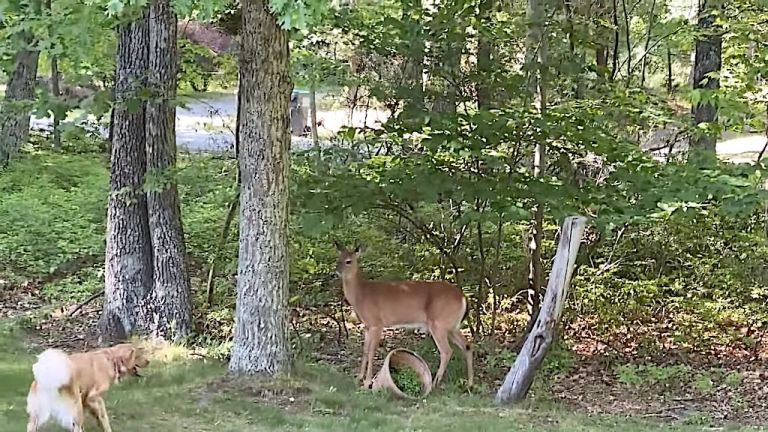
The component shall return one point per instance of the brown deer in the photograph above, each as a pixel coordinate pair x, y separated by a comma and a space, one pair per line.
436, 306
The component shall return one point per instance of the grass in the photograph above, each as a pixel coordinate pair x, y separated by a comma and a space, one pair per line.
180, 394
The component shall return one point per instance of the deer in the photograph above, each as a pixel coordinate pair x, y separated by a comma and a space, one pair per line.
435, 306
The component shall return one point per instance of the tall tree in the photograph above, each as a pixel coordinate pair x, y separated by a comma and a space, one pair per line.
169, 304
20, 91
706, 68
128, 277
413, 73
260, 342
484, 54
536, 57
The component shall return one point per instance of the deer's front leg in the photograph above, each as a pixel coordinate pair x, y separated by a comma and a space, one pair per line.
374, 337
363, 356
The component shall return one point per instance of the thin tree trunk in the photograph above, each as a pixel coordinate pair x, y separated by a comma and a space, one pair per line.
616, 33
669, 71
55, 90
55, 78
707, 61
19, 95
261, 320
628, 41
651, 21
313, 112
599, 35
128, 272
484, 53
169, 307
536, 54
414, 66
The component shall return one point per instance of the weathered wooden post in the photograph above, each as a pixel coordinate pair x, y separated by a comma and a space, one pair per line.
520, 376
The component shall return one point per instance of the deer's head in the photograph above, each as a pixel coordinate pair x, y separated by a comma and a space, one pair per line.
346, 263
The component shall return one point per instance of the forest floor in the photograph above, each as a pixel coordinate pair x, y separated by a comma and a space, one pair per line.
180, 391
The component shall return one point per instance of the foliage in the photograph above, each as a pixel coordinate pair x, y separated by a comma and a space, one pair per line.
407, 380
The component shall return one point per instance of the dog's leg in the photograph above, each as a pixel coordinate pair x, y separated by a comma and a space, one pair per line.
98, 408
32, 424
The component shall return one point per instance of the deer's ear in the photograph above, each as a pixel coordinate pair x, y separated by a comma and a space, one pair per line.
360, 249
339, 247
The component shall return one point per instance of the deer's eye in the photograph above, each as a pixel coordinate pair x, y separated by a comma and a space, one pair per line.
349, 261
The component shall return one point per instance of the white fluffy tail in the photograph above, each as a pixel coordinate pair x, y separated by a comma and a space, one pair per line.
53, 369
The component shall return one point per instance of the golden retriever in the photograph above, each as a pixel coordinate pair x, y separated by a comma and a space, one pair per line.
67, 384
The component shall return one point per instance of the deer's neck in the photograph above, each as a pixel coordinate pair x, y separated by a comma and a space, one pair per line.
351, 283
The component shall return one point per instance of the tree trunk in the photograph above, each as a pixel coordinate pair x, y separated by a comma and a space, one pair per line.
670, 84
651, 23
260, 342
484, 53
520, 377
414, 62
55, 78
599, 36
313, 111
169, 306
616, 32
708, 60
128, 277
627, 40
19, 96
536, 57
55, 89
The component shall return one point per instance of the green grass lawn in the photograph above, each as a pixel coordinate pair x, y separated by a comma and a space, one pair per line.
180, 394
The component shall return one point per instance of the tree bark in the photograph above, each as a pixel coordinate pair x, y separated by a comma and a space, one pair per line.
169, 306
651, 23
707, 61
484, 54
414, 62
600, 37
128, 272
55, 78
55, 88
616, 28
19, 96
536, 57
520, 376
260, 341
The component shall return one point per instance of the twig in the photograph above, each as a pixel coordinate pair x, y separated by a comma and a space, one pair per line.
85, 303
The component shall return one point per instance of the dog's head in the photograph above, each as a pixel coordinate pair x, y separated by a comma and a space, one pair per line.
128, 359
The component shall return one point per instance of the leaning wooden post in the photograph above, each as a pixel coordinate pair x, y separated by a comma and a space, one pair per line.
520, 376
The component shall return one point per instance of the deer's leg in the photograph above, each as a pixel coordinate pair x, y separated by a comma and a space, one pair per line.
440, 335
460, 341
374, 339
364, 356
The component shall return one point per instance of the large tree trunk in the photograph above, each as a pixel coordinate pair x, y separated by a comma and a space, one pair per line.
128, 277
260, 342
169, 306
19, 97
707, 60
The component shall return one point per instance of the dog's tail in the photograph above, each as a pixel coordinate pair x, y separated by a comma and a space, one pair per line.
53, 369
